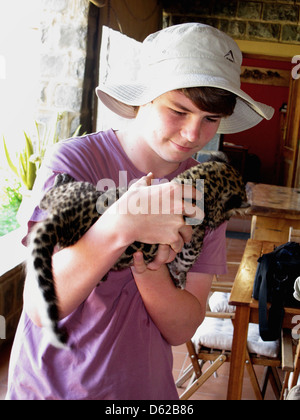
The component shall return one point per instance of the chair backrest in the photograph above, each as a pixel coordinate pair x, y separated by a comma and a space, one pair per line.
294, 235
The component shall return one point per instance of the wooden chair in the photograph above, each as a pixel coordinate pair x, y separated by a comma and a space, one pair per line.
205, 347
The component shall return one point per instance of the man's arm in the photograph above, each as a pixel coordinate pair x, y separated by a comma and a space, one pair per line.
177, 313
79, 268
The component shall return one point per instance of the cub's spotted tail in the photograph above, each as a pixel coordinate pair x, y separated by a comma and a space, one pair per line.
40, 266
71, 208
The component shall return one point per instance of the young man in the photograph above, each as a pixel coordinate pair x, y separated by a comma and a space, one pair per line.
122, 330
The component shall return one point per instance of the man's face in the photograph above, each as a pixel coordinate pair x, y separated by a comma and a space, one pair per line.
175, 128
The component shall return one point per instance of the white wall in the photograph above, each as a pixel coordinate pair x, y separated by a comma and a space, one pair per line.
19, 68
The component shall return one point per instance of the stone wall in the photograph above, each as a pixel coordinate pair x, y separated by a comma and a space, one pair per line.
64, 29
62, 57
264, 20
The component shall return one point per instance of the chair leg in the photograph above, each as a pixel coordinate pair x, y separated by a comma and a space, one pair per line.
194, 369
271, 375
275, 382
186, 374
253, 378
294, 375
296, 366
194, 358
200, 381
265, 380
285, 386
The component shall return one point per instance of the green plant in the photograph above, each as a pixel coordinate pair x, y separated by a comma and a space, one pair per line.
10, 200
26, 169
45, 139
14, 196
30, 158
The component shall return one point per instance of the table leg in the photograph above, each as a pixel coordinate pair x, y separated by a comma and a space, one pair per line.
238, 353
297, 366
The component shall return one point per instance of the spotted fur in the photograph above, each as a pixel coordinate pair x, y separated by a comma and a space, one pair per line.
72, 210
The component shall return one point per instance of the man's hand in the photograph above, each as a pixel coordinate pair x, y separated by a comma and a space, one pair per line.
165, 254
154, 213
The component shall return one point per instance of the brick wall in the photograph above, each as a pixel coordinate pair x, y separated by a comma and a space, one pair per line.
264, 20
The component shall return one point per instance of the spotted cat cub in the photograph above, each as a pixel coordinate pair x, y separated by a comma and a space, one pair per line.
72, 210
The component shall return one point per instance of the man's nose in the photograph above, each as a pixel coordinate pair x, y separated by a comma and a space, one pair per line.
191, 131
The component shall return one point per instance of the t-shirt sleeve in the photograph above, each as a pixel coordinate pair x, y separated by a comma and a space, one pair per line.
53, 164
212, 259
83, 158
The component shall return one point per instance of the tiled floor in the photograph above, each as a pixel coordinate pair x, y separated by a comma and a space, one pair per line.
214, 388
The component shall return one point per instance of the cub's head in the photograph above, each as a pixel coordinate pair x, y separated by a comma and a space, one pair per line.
224, 191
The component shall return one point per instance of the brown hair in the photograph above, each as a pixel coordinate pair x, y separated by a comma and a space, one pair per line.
211, 99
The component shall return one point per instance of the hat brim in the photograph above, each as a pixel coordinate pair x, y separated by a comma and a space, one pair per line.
121, 99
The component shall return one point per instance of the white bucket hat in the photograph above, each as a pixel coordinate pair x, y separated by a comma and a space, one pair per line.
184, 56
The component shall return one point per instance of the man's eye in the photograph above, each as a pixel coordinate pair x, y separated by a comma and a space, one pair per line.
212, 120
177, 112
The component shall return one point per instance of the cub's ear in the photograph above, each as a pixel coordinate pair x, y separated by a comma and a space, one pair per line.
218, 157
234, 202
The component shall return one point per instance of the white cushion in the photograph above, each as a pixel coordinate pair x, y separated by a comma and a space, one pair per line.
218, 302
217, 333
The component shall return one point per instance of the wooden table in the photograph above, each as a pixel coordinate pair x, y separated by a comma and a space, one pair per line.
247, 311
274, 209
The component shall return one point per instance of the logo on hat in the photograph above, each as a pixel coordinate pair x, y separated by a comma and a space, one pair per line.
229, 56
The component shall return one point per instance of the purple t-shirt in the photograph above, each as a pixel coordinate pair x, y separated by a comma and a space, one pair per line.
117, 351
